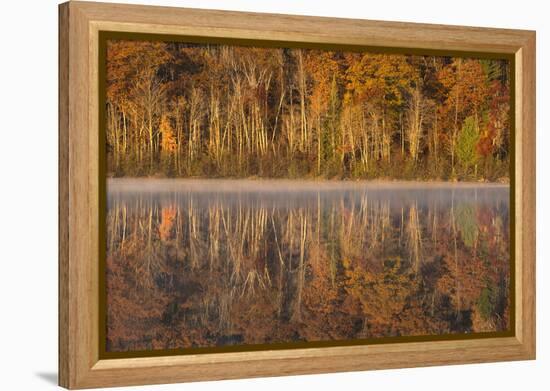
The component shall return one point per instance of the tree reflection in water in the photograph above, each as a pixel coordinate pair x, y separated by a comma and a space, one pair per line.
216, 267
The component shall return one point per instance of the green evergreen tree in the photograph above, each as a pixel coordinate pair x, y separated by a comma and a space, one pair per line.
466, 145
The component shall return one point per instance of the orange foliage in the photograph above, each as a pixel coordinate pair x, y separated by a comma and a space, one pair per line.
166, 225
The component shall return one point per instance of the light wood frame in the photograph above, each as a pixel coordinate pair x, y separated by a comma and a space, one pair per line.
79, 363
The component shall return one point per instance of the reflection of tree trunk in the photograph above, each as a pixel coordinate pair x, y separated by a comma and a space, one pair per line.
150, 230
434, 224
193, 235
114, 225
149, 250
319, 221
179, 227
454, 230
401, 226
297, 313
213, 235
281, 262
415, 236
332, 245
290, 236
124, 217
350, 228
280, 291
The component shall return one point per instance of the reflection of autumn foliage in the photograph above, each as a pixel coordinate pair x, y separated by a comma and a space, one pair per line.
167, 223
382, 294
188, 271
481, 263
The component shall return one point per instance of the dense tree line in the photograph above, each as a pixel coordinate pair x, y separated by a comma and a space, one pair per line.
185, 110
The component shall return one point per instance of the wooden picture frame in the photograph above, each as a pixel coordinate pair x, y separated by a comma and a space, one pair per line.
80, 24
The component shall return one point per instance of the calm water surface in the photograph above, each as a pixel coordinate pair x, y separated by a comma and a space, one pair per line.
203, 263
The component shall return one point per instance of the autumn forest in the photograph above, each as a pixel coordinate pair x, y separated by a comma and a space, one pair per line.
189, 110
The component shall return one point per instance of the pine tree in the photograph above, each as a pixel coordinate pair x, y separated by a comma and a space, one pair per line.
466, 145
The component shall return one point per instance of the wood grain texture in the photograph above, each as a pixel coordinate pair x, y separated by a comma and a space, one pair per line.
63, 200
76, 258
79, 363
526, 185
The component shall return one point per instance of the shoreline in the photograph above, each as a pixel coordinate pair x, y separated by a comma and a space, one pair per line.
251, 184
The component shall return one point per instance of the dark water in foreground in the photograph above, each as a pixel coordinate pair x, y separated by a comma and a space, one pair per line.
216, 263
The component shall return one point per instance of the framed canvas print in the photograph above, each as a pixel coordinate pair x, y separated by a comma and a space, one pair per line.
251, 195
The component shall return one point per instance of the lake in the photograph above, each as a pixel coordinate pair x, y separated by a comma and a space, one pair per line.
210, 263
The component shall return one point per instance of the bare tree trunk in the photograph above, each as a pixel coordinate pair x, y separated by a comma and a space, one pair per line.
304, 139
455, 125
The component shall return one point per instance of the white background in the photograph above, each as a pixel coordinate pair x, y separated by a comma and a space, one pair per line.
28, 218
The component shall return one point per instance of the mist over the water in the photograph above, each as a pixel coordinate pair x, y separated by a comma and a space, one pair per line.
278, 193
